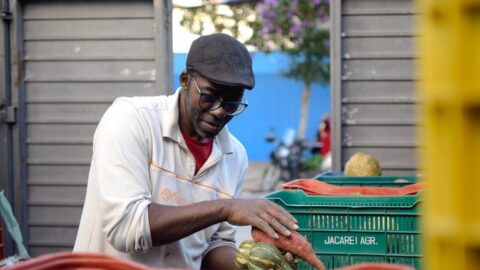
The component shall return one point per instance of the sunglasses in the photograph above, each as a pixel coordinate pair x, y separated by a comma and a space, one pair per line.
211, 103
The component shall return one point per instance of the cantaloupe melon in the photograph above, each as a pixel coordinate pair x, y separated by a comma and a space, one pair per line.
362, 164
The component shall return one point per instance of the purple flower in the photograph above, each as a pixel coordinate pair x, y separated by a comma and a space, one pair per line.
294, 5
278, 30
272, 3
261, 9
321, 13
307, 23
316, 2
296, 29
270, 14
265, 33
268, 26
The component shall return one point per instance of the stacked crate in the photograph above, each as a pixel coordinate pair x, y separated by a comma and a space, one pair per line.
350, 229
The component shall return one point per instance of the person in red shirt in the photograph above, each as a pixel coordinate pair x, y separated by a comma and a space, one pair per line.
325, 137
326, 140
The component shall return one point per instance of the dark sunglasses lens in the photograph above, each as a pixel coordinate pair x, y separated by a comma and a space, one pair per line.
234, 108
207, 100
211, 102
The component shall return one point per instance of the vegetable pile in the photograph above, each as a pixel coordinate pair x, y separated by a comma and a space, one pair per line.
295, 244
257, 256
264, 253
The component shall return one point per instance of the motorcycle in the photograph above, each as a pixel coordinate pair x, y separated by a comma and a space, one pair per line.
286, 159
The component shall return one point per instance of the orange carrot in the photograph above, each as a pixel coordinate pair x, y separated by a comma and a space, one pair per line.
295, 244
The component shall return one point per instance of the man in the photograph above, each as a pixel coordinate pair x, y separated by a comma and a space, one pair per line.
166, 171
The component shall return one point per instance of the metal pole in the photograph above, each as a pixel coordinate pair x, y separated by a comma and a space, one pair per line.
336, 84
163, 46
6, 121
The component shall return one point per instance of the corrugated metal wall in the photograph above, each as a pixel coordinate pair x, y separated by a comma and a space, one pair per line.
374, 99
78, 57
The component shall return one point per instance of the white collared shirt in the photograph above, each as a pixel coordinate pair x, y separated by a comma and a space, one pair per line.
140, 157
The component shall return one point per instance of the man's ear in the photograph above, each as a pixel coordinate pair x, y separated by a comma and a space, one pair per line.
184, 77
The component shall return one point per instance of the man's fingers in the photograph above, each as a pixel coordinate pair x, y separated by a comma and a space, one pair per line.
264, 226
266, 215
284, 212
272, 221
283, 218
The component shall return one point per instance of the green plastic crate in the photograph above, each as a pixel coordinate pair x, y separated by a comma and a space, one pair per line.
346, 230
373, 181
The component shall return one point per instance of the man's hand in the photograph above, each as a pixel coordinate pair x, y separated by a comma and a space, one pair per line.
260, 213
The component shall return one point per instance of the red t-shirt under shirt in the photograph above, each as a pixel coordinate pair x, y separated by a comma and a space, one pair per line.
200, 150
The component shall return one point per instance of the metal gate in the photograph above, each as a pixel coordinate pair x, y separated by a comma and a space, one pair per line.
71, 59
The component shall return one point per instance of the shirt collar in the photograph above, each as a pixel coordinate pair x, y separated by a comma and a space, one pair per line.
170, 127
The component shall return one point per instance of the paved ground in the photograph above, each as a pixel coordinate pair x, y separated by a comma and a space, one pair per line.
253, 178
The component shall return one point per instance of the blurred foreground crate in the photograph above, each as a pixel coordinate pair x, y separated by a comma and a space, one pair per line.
346, 230
77, 261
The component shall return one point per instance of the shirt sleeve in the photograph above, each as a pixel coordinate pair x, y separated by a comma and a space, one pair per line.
120, 165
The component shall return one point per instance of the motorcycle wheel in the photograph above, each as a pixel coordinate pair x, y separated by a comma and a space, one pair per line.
271, 177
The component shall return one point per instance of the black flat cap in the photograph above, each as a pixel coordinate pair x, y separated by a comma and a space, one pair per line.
222, 59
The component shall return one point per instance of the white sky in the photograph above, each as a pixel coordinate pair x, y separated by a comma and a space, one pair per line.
182, 38
187, 3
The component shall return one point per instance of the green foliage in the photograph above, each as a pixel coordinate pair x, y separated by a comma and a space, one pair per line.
230, 18
297, 27
312, 164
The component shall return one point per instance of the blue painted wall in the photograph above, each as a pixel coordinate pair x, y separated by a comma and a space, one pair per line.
273, 103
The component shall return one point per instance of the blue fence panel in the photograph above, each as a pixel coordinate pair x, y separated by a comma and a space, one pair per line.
273, 103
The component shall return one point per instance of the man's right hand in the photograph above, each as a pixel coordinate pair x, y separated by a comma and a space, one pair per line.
261, 213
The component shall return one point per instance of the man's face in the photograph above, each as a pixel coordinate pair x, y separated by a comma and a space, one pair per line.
208, 121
